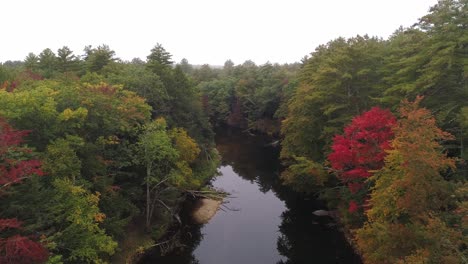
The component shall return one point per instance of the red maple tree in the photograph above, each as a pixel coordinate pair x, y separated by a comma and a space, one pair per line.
360, 150
15, 166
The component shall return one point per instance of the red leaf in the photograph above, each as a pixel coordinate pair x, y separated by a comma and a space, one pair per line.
353, 206
9, 223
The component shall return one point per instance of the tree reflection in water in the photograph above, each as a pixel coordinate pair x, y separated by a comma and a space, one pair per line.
302, 237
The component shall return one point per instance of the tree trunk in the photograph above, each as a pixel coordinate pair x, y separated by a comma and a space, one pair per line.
148, 197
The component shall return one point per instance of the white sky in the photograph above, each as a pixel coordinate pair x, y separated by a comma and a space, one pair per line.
203, 31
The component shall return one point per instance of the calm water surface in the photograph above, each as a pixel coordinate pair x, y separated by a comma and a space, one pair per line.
268, 223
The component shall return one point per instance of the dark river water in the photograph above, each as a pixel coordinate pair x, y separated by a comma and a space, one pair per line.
267, 224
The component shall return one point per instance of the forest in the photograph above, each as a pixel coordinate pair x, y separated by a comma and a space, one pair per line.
377, 128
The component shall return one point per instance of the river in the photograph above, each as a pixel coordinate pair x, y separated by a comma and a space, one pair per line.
265, 222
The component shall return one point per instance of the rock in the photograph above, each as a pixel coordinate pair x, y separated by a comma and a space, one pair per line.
321, 213
204, 210
273, 144
332, 214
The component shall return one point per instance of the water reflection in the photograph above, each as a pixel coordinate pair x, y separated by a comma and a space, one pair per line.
251, 157
245, 236
274, 225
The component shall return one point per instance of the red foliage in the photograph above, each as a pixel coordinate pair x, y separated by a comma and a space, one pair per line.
362, 148
9, 223
16, 248
14, 170
9, 87
354, 187
353, 206
9, 137
29, 75
21, 249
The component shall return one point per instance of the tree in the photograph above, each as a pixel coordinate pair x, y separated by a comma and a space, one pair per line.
84, 132
97, 58
7, 74
464, 135
31, 62
167, 157
228, 67
185, 66
444, 77
188, 151
138, 78
32, 109
61, 159
47, 63
159, 55
360, 151
430, 59
76, 211
218, 96
16, 165
66, 60
404, 220
156, 153
159, 61
204, 74
249, 94
337, 83
304, 175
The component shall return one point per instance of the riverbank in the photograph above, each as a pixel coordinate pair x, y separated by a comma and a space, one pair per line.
266, 221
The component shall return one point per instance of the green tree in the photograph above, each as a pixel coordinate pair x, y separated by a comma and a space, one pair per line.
159, 61
66, 60
218, 96
80, 237
430, 59
464, 134
31, 62
204, 74
97, 58
32, 109
337, 83
138, 78
228, 67
47, 63
61, 159
185, 66
156, 153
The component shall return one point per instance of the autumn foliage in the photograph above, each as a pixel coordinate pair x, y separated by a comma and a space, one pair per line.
14, 165
14, 168
361, 150
405, 222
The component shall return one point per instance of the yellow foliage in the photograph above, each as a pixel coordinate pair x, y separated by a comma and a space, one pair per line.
78, 114
404, 223
185, 145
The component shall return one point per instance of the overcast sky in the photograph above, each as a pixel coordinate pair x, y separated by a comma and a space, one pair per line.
203, 31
